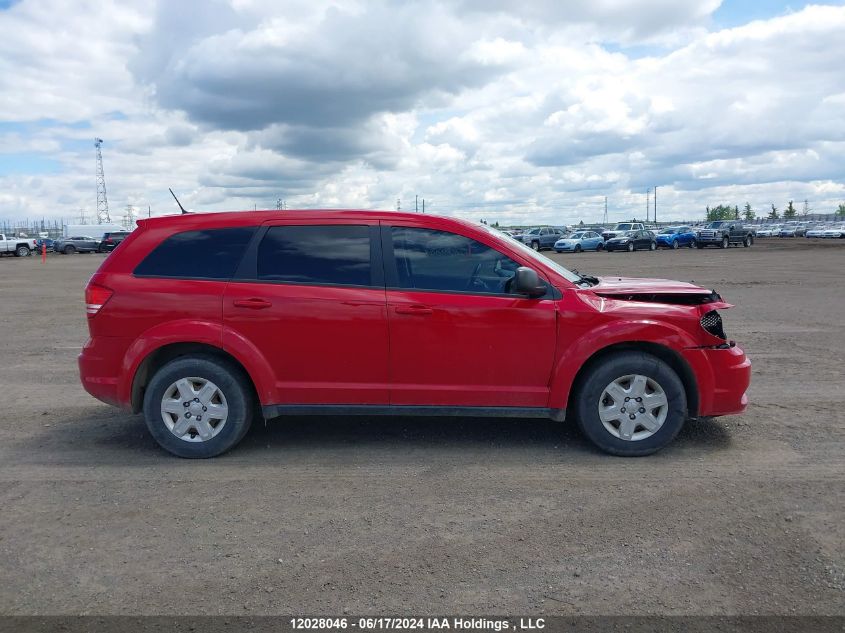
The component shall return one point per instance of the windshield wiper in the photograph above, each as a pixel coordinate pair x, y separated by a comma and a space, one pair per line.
589, 279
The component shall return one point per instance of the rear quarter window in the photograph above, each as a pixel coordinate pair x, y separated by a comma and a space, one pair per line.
206, 254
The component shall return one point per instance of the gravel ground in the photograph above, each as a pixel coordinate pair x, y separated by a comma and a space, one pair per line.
741, 515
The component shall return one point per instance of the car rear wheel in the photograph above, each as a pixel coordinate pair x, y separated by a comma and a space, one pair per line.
198, 406
631, 404
69, 250
22, 251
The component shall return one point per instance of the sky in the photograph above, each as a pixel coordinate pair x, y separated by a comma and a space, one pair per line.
518, 113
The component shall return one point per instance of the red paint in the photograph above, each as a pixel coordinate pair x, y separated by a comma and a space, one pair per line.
304, 344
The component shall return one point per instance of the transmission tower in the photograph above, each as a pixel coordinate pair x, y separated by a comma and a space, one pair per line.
129, 218
102, 201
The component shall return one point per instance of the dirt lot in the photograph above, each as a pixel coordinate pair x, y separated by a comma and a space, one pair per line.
742, 515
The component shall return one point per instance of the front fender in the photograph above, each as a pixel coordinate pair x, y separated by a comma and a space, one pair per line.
592, 340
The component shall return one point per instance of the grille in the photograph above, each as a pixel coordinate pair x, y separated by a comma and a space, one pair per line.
712, 322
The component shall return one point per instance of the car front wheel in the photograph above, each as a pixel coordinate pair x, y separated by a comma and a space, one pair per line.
725, 242
631, 404
631, 247
652, 246
675, 245
198, 406
535, 246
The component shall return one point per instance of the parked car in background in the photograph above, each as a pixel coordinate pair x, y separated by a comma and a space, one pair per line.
622, 227
723, 233
580, 241
207, 321
110, 240
802, 229
816, 231
543, 237
632, 241
835, 231
17, 246
44, 241
768, 230
76, 244
787, 231
675, 237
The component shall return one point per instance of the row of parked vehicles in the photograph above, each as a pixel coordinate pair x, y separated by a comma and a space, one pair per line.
82, 243
834, 230
633, 236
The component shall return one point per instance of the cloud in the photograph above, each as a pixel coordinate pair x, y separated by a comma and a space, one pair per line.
528, 115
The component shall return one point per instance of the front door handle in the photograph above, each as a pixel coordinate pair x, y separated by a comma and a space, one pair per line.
253, 303
414, 310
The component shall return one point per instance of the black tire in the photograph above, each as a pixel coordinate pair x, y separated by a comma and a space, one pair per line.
578, 248
652, 246
693, 244
675, 245
699, 245
69, 250
610, 368
725, 242
746, 242
630, 247
22, 251
600, 247
535, 246
232, 383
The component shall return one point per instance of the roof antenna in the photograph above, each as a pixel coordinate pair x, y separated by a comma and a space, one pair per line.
176, 199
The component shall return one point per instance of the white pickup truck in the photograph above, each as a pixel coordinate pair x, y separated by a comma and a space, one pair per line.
18, 246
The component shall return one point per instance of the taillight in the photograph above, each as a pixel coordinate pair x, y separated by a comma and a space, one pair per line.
95, 298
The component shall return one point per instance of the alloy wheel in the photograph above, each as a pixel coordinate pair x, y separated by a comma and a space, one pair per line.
633, 407
194, 409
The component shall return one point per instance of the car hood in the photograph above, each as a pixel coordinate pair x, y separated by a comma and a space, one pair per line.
656, 291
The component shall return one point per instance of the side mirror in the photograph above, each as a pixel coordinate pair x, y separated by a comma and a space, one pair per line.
527, 282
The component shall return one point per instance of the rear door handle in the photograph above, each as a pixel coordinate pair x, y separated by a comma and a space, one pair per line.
253, 303
414, 310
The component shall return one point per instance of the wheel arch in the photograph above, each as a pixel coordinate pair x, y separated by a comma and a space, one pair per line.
672, 358
162, 355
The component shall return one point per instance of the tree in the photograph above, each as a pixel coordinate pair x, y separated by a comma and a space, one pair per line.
736, 212
773, 214
840, 211
789, 212
722, 212
748, 214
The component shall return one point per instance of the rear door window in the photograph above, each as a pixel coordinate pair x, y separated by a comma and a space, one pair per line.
322, 254
207, 254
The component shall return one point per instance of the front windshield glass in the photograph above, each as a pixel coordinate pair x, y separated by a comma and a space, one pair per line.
531, 255
623, 227
714, 225
574, 236
630, 234
668, 231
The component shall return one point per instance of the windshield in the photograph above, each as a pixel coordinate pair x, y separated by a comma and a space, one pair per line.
668, 231
623, 227
574, 236
630, 234
530, 254
715, 225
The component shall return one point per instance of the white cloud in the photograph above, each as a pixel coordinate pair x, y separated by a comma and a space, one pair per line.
531, 115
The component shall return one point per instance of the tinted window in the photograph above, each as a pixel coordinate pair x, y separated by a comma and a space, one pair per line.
316, 254
209, 254
438, 260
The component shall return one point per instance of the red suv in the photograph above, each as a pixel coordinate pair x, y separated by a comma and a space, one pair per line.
207, 321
